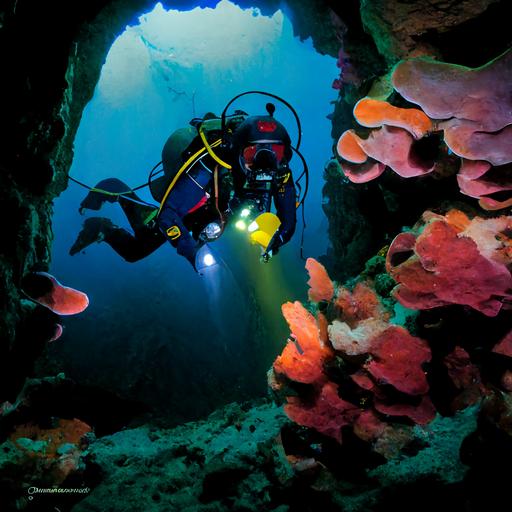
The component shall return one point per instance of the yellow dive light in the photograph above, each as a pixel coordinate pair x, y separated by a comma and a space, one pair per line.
263, 228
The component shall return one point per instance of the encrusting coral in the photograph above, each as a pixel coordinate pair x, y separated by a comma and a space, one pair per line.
389, 378
443, 263
470, 108
55, 451
351, 364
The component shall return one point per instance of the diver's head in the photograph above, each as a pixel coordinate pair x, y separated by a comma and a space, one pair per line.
262, 157
263, 146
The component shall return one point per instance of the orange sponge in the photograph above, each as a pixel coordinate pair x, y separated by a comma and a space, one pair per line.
374, 113
348, 148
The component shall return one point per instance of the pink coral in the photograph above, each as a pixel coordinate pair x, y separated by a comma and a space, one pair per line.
444, 90
327, 415
397, 360
392, 147
504, 347
44, 289
472, 108
477, 178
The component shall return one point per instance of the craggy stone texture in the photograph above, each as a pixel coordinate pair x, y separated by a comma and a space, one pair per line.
397, 27
253, 459
230, 461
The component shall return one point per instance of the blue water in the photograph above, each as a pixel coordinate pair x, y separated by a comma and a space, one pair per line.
154, 330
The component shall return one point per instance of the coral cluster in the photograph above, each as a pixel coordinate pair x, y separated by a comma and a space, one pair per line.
469, 108
453, 260
57, 450
386, 383
350, 364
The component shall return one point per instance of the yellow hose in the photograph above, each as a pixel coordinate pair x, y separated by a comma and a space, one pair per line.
183, 168
210, 151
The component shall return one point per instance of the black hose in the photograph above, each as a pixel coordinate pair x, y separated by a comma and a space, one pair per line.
223, 115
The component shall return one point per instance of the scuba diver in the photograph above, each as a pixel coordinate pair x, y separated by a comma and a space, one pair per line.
212, 169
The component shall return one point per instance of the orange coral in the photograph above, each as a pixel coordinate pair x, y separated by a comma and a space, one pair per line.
321, 286
348, 148
458, 220
67, 431
374, 113
362, 303
303, 357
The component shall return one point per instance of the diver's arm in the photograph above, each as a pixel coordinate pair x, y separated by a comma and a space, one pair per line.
284, 199
171, 225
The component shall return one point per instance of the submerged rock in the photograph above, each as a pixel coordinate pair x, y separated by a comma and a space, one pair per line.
228, 462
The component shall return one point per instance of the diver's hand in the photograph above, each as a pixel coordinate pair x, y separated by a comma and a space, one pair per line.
265, 257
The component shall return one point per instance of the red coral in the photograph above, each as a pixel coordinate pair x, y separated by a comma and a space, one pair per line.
328, 414
321, 286
504, 347
448, 268
422, 413
398, 357
360, 304
466, 378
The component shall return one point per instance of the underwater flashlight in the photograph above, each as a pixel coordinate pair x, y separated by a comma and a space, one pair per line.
253, 226
208, 260
212, 231
245, 213
240, 224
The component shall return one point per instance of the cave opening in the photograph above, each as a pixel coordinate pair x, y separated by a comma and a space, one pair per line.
155, 331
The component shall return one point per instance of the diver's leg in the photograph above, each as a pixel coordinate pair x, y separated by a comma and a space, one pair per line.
94, 200
136, 211
131, 248
134, 248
